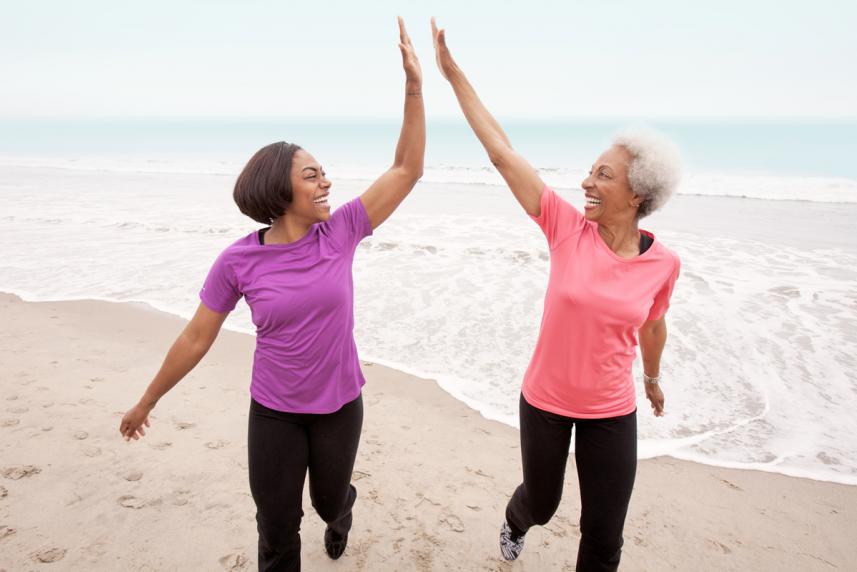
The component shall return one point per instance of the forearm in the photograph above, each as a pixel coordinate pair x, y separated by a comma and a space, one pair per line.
183, 356
410, 150
486, 128
652, 342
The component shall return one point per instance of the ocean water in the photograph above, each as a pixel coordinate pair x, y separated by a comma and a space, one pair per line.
760, 364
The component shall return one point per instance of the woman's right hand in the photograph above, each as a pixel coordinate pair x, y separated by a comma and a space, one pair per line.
132, 423
444, 59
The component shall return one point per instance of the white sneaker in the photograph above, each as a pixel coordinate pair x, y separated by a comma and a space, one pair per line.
510, 545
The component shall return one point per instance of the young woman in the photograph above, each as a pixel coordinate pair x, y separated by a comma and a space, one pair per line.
609, 284
306, 411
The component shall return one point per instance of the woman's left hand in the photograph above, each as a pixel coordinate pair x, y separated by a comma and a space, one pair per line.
656, 397
413, 73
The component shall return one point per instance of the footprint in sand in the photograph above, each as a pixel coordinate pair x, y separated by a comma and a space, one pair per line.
18, 409
161, 446
50, 555
9, 422
6, 531
133, 476
731, 485
452, 521
234, 562
723, 548
179, 497
81, 435
48, 404
3, 492
47, 428
16, 473
130, 501
181, 425
219, 444
92, 451
12, 398
357, 475
96, 379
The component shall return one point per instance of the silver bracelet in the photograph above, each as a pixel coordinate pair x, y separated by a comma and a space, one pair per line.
651, 380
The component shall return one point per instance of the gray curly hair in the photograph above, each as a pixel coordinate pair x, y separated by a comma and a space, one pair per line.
655, 167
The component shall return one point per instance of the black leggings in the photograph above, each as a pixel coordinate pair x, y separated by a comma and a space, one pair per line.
606, 454
281, 447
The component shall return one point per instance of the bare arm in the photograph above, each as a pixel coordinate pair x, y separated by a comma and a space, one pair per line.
391, 188
521, 177
188, 349
653, 338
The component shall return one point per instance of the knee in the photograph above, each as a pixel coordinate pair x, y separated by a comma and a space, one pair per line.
333, 507
279, 529
601, 545
541, 515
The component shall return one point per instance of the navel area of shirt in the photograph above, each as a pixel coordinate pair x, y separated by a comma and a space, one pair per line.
594, 304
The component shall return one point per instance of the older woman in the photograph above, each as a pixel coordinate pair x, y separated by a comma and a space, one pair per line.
610, 285
306, 411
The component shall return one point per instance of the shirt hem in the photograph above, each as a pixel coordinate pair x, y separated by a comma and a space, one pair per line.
314, 411
538, 404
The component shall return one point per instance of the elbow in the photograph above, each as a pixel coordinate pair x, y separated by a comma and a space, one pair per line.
198, 342
499, 155
410, 173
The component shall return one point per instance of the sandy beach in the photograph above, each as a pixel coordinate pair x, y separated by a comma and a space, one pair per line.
432, 475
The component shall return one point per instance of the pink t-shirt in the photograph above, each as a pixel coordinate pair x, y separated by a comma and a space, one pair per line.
595, 302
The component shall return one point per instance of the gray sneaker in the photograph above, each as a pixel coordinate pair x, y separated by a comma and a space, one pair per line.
510, 545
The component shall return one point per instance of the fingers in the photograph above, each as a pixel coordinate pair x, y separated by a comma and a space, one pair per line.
434, 29
403, 33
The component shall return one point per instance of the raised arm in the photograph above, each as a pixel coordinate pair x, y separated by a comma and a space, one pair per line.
521, 177
391, 188
192, 344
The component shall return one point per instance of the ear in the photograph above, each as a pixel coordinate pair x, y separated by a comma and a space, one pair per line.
637, 200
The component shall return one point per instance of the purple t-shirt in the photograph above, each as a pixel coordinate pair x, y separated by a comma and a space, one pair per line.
301, 297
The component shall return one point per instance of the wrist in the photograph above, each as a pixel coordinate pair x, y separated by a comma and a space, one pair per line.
651, 379
412, 85
148, 402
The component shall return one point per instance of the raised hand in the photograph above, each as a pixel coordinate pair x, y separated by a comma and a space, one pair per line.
413, 73
444, 59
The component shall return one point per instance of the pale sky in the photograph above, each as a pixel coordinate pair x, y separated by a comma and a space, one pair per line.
599, 59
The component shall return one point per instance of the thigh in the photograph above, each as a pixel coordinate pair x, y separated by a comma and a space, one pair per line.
278, 453
545, 439
606, 455
333, 441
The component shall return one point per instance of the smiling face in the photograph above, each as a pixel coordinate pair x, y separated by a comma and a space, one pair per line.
310, 189
609, 197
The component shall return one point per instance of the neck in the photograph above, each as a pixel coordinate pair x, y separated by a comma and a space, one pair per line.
286, 229
622, 237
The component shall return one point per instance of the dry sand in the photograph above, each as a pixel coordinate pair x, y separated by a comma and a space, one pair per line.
432, 475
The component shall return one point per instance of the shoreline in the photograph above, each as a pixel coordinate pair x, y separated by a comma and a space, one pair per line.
433, 476
472, 405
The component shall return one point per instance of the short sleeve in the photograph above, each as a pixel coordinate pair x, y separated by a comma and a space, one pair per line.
349, 224
558, 219
220, 291
662, 299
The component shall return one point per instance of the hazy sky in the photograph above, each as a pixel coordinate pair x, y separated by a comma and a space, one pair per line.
546, 59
